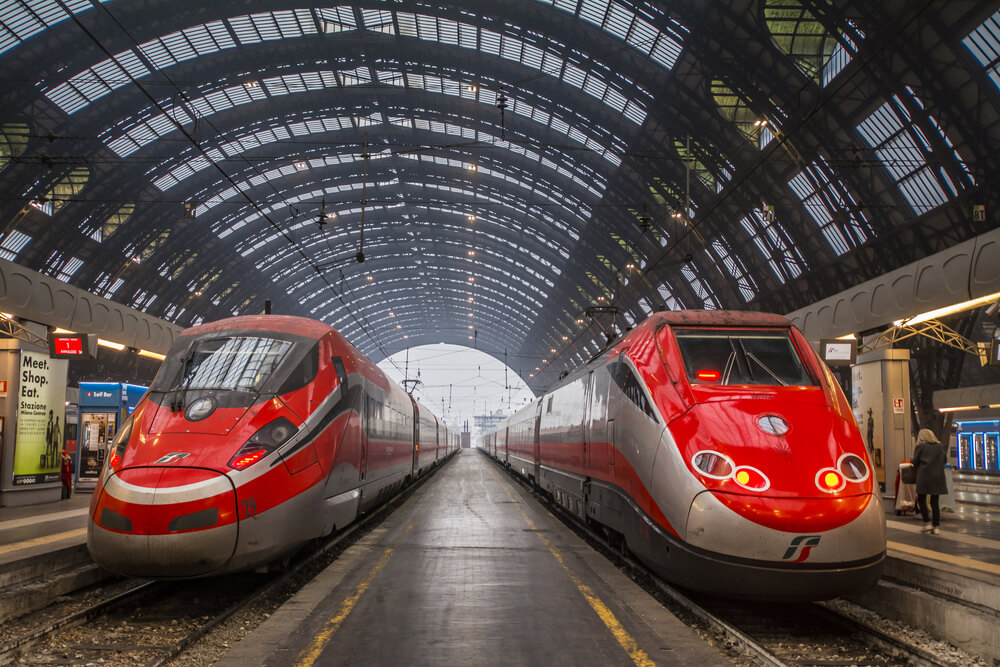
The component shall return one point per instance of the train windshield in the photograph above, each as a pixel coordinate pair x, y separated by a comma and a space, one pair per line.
237, 363
741, 356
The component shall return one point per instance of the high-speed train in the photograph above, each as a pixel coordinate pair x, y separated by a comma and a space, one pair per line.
258, 434
718, 446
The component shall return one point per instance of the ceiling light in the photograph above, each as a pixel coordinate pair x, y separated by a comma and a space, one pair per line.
472, 167
545, 361
152, 355
470, 218
948, 310
300, 164
392, 314
471, 88
470, 314
399, 326
964, 407
565, 337
57, 330
472, 279
552, 351
252, 84
112, 345
369, 277
472, 253
471, 299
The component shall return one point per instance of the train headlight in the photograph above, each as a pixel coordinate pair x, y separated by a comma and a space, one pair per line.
830, 480
713, 464
262, 443
751, 479
853, 468
200, 409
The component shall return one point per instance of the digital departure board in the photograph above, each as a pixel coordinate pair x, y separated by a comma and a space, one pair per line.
69, 346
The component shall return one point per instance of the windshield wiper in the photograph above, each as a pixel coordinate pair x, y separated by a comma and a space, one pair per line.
753, 357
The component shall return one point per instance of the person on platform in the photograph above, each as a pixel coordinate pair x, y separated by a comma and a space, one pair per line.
929, 459
67, 475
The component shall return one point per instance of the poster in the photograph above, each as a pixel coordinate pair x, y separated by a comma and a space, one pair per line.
41, 417
867, 403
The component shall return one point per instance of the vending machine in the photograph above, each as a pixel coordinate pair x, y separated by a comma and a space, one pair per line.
103, 406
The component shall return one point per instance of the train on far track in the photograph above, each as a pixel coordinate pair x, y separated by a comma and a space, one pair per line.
719, 448
258, 434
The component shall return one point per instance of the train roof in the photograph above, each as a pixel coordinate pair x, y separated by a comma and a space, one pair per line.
720, 318
300, 326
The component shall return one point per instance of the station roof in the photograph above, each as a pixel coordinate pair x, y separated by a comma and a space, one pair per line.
526, 177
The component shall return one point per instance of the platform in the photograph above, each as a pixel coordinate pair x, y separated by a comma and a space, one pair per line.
27, 531
472, 571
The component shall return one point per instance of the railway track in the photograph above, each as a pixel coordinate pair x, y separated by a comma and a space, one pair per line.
151, 623
771, 634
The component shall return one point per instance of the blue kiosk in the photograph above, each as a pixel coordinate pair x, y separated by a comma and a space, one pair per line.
103, 407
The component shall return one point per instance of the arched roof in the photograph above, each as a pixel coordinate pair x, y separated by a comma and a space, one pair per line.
523, 176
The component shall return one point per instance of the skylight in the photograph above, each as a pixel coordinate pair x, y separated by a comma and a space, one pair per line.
832, 207
23, 19
163, 52
984, 43
901, 148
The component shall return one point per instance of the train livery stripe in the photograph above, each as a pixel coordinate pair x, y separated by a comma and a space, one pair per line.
961, 561
311, 653
621, 635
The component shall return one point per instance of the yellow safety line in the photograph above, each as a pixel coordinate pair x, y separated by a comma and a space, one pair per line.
627, 642
38, 541
311, 653
947, 558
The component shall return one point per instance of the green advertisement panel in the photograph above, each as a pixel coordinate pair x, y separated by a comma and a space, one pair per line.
41, 417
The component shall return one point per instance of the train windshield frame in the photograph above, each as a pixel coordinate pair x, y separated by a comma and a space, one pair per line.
239, 362
742, 356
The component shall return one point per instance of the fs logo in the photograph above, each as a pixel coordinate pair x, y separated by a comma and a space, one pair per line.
801, 545
175, 456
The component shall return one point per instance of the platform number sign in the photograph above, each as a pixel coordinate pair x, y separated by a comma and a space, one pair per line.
897, 406
979, 213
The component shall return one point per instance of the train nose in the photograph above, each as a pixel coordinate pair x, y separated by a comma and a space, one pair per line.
164, 522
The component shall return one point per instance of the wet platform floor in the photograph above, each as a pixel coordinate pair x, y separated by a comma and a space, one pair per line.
472, 571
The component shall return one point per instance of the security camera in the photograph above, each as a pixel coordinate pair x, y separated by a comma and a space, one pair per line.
994, 309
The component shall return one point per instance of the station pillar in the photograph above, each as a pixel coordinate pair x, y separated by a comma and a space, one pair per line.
880, 398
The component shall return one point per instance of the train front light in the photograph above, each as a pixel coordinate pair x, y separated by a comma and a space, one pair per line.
262, 443
116, 450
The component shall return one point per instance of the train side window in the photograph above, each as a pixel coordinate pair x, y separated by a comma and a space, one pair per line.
626, 380
303, 373
548, 407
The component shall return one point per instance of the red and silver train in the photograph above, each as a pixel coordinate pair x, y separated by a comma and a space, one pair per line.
720, 448
258, 434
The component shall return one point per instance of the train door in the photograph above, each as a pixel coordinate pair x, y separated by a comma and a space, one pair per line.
597, 420
437, 440
537, 438
365, 429
415, 457
588, 390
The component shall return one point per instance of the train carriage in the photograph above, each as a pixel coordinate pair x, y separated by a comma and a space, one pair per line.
720, 449
258, 434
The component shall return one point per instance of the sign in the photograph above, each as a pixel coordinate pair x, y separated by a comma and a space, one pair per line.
897, 406
41, 414
995, 352
3, 389
837, 352
72, 345
979, 213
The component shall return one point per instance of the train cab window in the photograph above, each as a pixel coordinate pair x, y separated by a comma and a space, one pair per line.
303, 373
741, 357
626, 380
236, 363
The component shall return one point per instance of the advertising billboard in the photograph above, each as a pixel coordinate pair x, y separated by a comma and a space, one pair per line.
41, 416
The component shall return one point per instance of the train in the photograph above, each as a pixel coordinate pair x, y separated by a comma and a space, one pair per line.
718, 448
258, 434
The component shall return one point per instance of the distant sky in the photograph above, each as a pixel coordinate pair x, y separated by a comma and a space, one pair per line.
458, 382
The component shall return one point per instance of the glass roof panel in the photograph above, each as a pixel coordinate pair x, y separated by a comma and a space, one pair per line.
249, 29
23, 19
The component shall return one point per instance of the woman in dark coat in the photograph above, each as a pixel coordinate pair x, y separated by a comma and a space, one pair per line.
929, 459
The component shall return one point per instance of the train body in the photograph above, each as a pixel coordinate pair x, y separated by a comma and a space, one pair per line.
258, 434
719, 448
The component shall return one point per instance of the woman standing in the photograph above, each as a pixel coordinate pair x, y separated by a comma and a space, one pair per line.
929, 459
